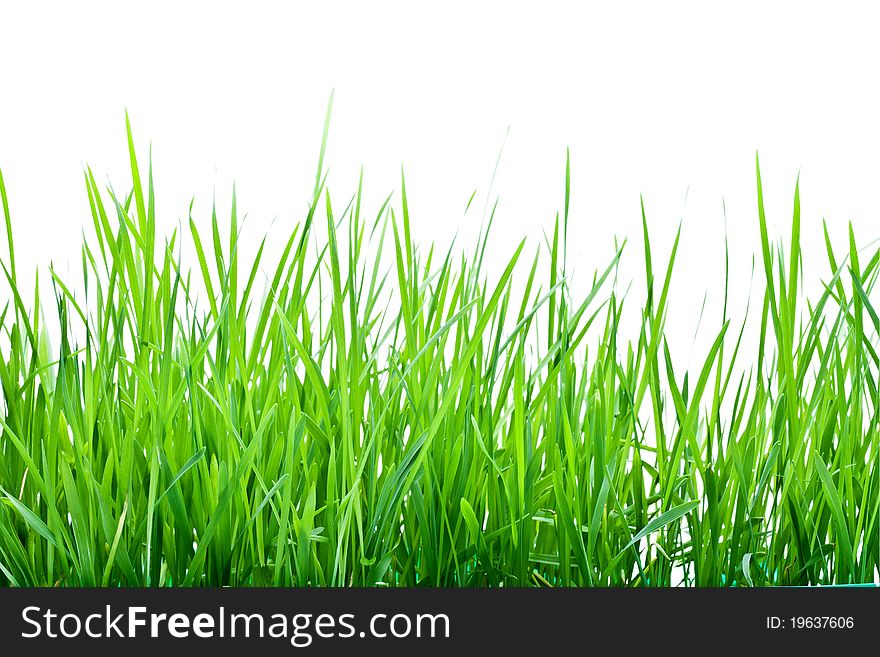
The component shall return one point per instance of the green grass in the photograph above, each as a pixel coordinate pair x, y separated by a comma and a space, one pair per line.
385, 414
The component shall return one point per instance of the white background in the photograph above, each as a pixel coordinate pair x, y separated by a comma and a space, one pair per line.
670, 99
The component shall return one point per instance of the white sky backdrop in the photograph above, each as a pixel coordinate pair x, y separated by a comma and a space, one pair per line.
669, 99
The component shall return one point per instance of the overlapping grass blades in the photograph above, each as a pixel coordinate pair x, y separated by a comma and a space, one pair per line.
376, 419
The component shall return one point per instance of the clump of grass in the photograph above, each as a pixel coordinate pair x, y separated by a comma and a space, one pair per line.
421, 424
